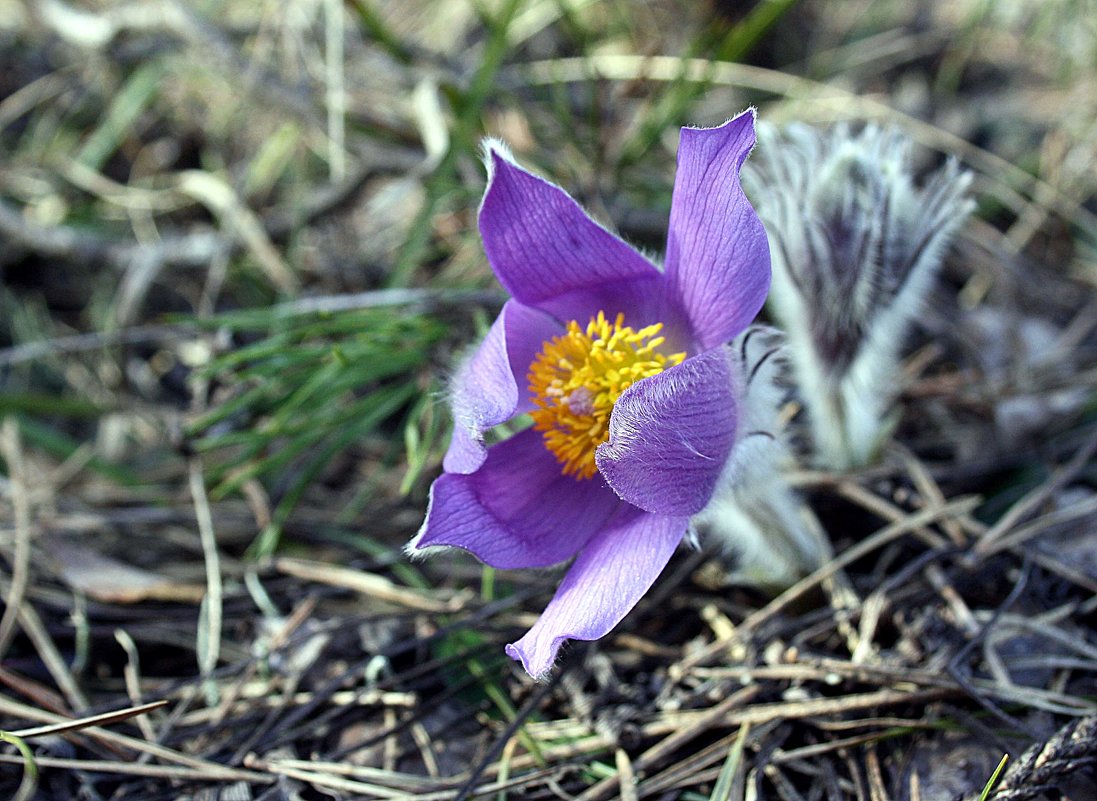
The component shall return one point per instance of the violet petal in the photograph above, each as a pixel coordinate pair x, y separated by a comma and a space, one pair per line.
670, 436
518, 510
717, 252
490, 387
549, 254
610, 575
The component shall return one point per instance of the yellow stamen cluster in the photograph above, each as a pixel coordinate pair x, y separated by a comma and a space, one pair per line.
577, 377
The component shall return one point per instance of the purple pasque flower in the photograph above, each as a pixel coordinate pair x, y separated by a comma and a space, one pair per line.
622, 367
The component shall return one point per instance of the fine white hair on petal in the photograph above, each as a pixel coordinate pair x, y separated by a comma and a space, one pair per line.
760, 355
412, 549
751, 110
762, 531
765, 533
490, 145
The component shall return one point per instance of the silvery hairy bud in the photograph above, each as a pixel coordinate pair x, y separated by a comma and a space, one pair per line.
855, 246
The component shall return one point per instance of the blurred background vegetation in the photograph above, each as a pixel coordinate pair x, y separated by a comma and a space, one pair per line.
238, 242
187, 186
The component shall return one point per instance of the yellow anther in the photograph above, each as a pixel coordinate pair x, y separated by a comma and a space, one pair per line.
577, 377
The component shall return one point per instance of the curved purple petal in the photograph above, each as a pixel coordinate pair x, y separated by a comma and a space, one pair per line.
610, 575
517, 510
670, 436
490, 387
549, 254
717, 252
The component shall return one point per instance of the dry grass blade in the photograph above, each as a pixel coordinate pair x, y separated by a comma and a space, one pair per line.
839, 744
989, 543
168, 772
94, 720
626, 776
730, 783
826, 671
392, 784
137, 335
764, 713
878, 540
35, 630
238, 218
373, 586
701, 723
12, 451
209, 639
211, 769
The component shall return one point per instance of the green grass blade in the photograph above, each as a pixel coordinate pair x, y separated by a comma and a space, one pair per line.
993, 780
139, 90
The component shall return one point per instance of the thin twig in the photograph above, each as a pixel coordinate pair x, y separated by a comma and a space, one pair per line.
12, 451
51, 657
104, 719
